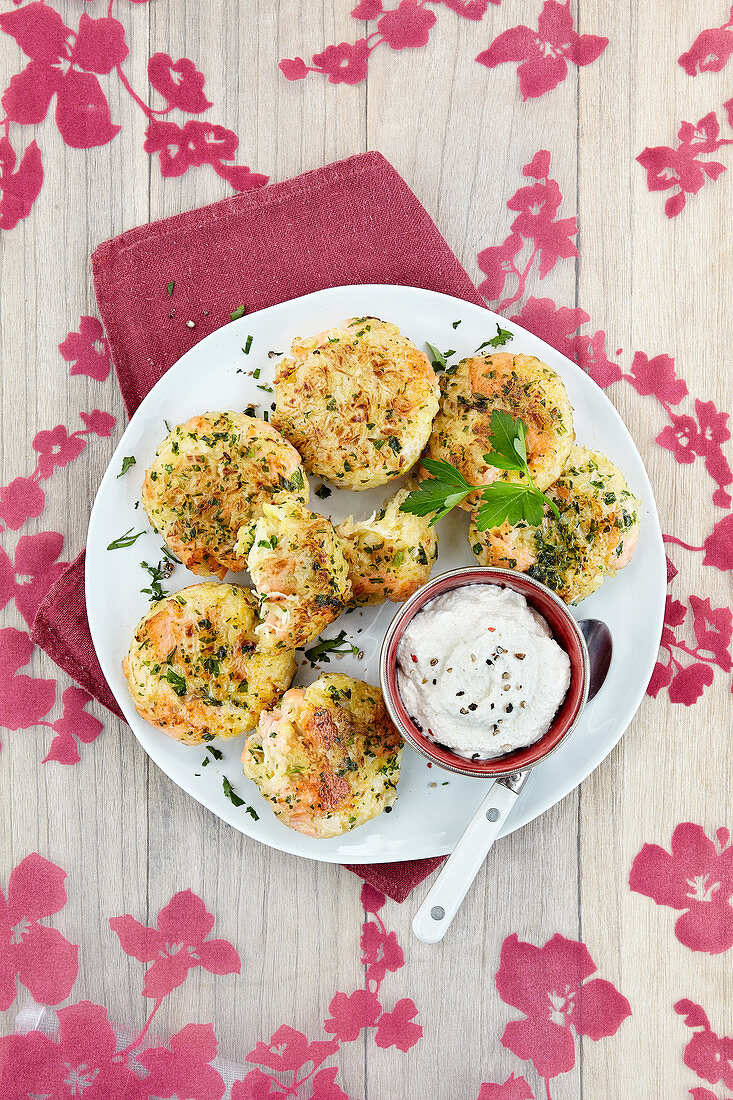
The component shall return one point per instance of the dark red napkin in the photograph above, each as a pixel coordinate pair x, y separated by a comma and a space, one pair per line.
355, 221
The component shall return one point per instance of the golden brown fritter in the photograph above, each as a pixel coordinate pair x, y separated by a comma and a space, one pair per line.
520, 385
597, 536
328, 758
298, 567
210, 477
357, 402
390, 554
195, 669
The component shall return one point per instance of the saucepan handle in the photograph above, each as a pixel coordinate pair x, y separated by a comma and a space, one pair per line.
460, 869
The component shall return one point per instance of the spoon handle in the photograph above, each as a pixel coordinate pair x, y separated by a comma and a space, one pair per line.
460, 869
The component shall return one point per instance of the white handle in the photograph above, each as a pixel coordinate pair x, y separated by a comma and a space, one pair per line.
460, 869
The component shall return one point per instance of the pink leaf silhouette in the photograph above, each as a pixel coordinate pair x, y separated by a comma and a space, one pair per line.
39, 31
293, 68
719, 545
325, 1087
22, 499
408, 25
349, 1014
36, 557
514, 1088
395, 1029
657, 377
99, 422
75, 722
24, 700
18, 190
689, 683
372, 900
99, 44
82, 112
28, 96
367, 9
709, 53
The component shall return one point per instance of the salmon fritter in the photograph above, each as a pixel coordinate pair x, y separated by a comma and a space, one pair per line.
327, 758
520, 385
298, 567
357, 402
595, 539
195, 669
210, 477
391, 554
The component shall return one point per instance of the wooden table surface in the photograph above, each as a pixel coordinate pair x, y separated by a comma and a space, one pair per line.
460, 134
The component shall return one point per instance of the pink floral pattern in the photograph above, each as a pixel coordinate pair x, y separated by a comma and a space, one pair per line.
177, 945
548, 984
710, 51
406, 26
65, 65
696, 876
543, 54
535, 234
699, 433
31, 953
681, 170
708, 1054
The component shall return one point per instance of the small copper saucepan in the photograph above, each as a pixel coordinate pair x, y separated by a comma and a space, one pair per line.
509, 772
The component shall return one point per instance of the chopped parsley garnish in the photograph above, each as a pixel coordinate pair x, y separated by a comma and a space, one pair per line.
503, 336
256, 372
456, 324
338, 646
171, 557
125, 540
238, 312
177, 682
216, 753
500, 501
252, 813
323, 492
247, 344
231, 793
170, 287
127, 462
157, 573
267, 389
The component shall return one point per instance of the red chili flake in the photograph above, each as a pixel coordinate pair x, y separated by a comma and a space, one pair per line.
414, 658
429, 764
492, 629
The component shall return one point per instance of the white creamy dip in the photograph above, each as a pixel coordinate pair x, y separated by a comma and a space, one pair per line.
480, 672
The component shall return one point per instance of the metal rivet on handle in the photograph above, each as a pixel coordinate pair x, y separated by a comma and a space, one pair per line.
437, 912
493, 814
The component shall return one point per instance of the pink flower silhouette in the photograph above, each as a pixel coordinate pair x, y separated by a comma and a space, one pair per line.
681, 168
176, 945
196, 143
551, 323
21, 500
708, 1054
345, 63
24, 700
656, 377
182, 1068
712, 628
179, 82
396, 1029
39, 957
697, 877
74, 723
543, 54
409, 25
710, 51
56, 448
18, 189
682, 438
82, 111
548, 985
690, 438
514, 1088
87, 350
35, 557
81, 1063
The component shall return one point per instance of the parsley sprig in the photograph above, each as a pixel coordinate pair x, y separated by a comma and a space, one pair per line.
500, 501
338, 646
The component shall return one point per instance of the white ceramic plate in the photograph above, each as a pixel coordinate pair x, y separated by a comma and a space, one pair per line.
433, 806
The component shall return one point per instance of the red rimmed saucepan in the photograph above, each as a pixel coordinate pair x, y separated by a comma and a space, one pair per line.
510, 771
